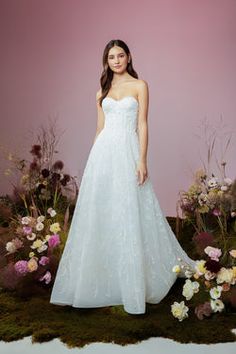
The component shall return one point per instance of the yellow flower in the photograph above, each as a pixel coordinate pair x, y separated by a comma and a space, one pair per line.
176, 269
179, 310
203, 209
55, 227
37, 243
47, 237
225, 275
200, 267
31, 254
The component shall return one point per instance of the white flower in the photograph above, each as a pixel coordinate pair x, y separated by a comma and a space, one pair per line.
39, 226
216, 292
31, 237
42, 248
188, 273
179, 310
225, 275
25, 220
10, 247
202, 199
212, 182
224, 188
190, 288
52, 212
41, 218
217, 305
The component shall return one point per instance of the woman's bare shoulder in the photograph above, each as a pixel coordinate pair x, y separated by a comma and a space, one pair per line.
142, 82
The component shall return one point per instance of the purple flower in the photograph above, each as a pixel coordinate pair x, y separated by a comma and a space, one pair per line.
54, 240
21, 267
44, 260
47, 277
27, 230
212, 265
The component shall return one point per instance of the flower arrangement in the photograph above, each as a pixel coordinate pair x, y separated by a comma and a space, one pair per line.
41, 181
35, 219
214, 282
31, 251
209, 204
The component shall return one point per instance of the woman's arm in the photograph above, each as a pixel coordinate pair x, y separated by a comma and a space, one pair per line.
100, 116
143, 97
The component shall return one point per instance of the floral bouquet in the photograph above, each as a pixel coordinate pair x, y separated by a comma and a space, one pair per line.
214, 283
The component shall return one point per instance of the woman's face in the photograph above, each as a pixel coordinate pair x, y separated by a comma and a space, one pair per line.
117, 59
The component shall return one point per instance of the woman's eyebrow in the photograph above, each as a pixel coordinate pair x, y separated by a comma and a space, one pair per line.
114, 54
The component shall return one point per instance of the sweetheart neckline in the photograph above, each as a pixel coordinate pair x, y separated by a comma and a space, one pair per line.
122, 98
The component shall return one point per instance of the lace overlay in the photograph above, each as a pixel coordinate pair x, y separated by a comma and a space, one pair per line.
120, 248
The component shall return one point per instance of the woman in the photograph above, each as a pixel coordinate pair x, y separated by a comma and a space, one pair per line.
120, 248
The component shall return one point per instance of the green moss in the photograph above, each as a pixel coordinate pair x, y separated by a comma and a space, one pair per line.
76, 326
33, 315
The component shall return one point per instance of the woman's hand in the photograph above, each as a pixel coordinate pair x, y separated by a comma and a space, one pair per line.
141, 172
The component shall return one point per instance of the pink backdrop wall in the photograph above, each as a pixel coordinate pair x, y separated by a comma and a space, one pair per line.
51, 55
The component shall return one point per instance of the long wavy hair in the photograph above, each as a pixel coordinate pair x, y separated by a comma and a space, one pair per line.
107, 74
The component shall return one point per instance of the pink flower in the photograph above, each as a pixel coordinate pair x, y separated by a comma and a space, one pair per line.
54, 240
47, 277
216, 212
44, 260
21, 267
213, 253
203, 310
27, 230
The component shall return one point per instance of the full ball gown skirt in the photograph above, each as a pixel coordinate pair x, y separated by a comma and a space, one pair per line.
120, 249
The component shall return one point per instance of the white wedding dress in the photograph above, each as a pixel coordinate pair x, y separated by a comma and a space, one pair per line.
120, 249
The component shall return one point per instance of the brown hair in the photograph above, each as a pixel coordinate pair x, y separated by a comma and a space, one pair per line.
107, 74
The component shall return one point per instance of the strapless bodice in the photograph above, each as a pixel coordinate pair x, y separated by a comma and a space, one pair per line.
120, 114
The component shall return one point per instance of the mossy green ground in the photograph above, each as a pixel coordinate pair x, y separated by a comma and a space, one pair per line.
35, 316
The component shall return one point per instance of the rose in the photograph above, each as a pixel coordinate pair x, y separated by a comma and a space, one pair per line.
225, 276
10, 247
44, 260
53, 241
32, 265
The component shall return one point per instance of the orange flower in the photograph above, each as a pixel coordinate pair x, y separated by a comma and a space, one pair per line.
225, 287
207, 283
